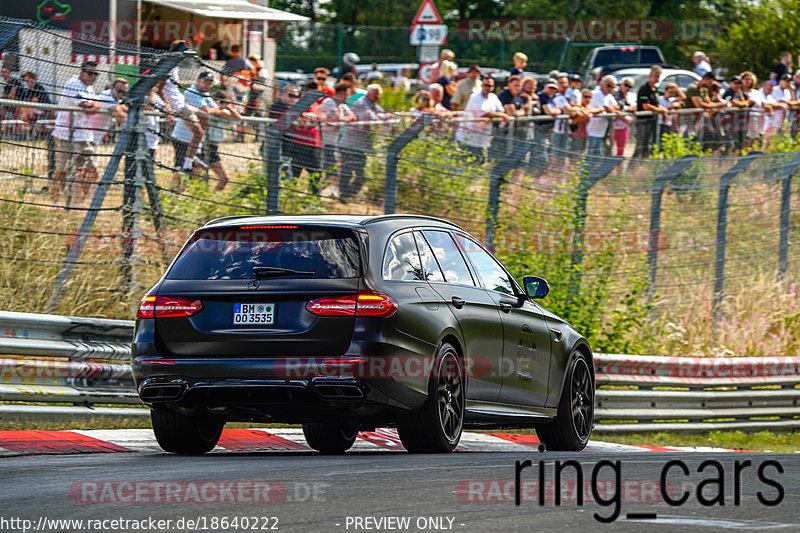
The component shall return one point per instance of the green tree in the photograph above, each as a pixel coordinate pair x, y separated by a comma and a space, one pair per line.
756, 41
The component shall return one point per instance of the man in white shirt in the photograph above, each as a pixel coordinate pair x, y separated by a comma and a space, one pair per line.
602, 97
475, 135
73, 135
701, 63
775, 108
110, 100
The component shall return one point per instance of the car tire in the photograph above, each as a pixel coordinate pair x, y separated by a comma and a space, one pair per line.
572, 427
189, 435
437, 426
330, 438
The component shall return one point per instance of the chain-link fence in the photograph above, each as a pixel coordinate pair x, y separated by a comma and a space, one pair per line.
684, 233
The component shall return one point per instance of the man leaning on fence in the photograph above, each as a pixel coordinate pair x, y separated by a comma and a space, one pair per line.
355, 142
647, 100
474, 135
73, 136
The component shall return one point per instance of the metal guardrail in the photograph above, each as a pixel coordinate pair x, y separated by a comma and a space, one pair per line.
83, 361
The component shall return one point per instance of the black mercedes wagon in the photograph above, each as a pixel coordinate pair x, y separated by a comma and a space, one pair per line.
347, 323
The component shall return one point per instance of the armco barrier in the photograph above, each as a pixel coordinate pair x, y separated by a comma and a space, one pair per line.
83, 361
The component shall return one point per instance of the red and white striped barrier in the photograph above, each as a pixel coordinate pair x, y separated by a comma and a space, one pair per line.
274, 440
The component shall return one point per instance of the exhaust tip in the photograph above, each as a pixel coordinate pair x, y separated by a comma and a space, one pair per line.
161, 393
338, 391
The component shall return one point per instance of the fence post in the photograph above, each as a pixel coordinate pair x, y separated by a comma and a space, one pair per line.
496, 175
273, 169
599, 168
273, 166
393, 157
657, 194
722, 226
134, 178
138, 95
786, 211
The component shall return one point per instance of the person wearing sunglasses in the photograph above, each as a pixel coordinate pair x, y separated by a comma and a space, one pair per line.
321, 77
110, 99
73, 136
422, 103
626, 100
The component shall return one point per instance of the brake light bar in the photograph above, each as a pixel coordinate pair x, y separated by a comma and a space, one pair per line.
363, 304
167, 307
268, 227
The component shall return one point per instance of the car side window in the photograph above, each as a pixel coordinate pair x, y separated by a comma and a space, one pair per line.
429, 265
493, 276
452, 262
401, 259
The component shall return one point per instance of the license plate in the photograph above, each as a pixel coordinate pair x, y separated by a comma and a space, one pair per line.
253, 314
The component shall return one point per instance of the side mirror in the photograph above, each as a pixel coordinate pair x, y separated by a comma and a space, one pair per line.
535, 287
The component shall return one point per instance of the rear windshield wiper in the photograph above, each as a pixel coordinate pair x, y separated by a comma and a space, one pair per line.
268, 272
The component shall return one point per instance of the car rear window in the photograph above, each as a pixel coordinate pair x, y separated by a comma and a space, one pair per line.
328, 253
619, 56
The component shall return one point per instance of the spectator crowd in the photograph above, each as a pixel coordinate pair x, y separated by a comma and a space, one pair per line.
330, 138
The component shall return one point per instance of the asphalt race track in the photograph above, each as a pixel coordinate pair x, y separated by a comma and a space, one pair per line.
359, 491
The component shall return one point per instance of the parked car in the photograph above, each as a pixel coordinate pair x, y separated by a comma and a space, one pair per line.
620, 56
669, 75
346, 323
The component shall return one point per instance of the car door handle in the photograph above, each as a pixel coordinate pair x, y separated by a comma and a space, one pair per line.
506, 307
458, 303
556, 333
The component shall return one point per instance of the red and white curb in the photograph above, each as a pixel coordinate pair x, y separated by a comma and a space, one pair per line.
14, 443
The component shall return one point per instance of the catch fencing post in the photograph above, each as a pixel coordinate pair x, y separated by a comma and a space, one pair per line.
661, 183
786, 211
722, 226
496, 175
393, 157
137, 95
600, 167
131, 202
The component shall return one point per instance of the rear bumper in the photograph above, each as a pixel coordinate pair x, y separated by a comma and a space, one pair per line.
286, 389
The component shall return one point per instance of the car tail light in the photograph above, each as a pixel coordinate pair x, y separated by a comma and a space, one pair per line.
364, 304
167, 307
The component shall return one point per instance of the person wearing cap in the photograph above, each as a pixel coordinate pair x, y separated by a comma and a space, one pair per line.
73, 136
197, 97
602, 98
470, 85
546, 97
701, 64
573, 92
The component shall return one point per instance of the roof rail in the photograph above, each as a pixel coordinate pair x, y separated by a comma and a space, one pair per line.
231, 217
378, 218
